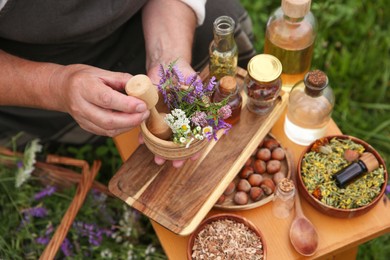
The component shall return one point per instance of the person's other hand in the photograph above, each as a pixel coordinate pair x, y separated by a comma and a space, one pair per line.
95, 99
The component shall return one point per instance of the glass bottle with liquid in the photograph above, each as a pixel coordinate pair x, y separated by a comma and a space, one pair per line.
290, 36
223, 48
228, 88
309, 108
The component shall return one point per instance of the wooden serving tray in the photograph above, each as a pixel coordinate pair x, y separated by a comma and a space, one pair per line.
179, 199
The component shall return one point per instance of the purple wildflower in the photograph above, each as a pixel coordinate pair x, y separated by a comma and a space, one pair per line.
38, 212
42, 240
199, 118
19, 164
161, 74
49, 190
387, 191
93, 232
210, 86
217, 125
66, 247
177, 73
191, 79
225, 112
190, 99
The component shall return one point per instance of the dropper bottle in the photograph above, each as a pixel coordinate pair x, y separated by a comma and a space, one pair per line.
366, 163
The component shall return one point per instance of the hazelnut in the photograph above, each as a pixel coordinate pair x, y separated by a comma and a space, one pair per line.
255, 179
246, 171
230, 189
277, 177
263, 154
249, 162
273, 166
268, 186
271, 144
278, 154
351, 155
256, 193
243, 185
221, 199
241, 198
260, 166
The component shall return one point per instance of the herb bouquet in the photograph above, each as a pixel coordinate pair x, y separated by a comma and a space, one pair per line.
192, 117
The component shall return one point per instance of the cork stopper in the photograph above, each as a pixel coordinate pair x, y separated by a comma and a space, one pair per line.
227, 84
370, 161
286, 185
296, 8
315, 82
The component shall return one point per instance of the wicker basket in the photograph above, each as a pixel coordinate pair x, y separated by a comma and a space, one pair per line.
53, 172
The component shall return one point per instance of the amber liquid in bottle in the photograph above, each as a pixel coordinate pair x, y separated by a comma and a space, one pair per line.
292, 44
228, 88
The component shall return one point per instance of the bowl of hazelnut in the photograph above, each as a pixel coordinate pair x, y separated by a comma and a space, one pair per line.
255, 183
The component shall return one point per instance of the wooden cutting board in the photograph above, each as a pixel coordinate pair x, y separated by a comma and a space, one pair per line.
179, 199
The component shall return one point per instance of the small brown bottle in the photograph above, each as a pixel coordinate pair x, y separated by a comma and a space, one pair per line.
228, 87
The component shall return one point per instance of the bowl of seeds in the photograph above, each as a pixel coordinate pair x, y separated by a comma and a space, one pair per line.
341, 176
226, 236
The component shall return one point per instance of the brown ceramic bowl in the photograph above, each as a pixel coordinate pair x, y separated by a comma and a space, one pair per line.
222, 216
333, 211
168, 149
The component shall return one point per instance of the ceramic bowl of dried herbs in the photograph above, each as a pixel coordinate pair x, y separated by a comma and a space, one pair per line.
324, 159
226, 236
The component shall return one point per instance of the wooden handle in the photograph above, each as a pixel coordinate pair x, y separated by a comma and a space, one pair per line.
140, 86
78, 200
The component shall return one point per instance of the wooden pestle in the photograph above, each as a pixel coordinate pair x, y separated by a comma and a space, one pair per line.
140, 86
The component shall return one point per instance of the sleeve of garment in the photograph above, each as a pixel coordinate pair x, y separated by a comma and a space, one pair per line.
199, 7
3, 2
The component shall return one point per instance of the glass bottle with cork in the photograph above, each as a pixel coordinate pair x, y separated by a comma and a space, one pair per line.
263, 83
309, 108
228, 88
284, 198
290, 35
223, 48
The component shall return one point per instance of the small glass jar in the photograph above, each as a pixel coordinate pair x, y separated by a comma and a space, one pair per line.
263, 83
227, 87
284, 198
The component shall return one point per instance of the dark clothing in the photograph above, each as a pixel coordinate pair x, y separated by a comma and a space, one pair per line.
105, 34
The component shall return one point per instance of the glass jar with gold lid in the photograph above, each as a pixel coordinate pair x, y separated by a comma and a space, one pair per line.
263, 83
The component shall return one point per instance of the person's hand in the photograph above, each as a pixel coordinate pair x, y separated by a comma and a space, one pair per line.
93, 97
187, 70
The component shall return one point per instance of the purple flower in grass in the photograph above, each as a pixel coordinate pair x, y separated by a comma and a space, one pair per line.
93, 232
42, 240
387, 191
48, 191
66, 247
38, 212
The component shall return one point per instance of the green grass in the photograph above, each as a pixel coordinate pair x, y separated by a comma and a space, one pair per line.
353, 48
